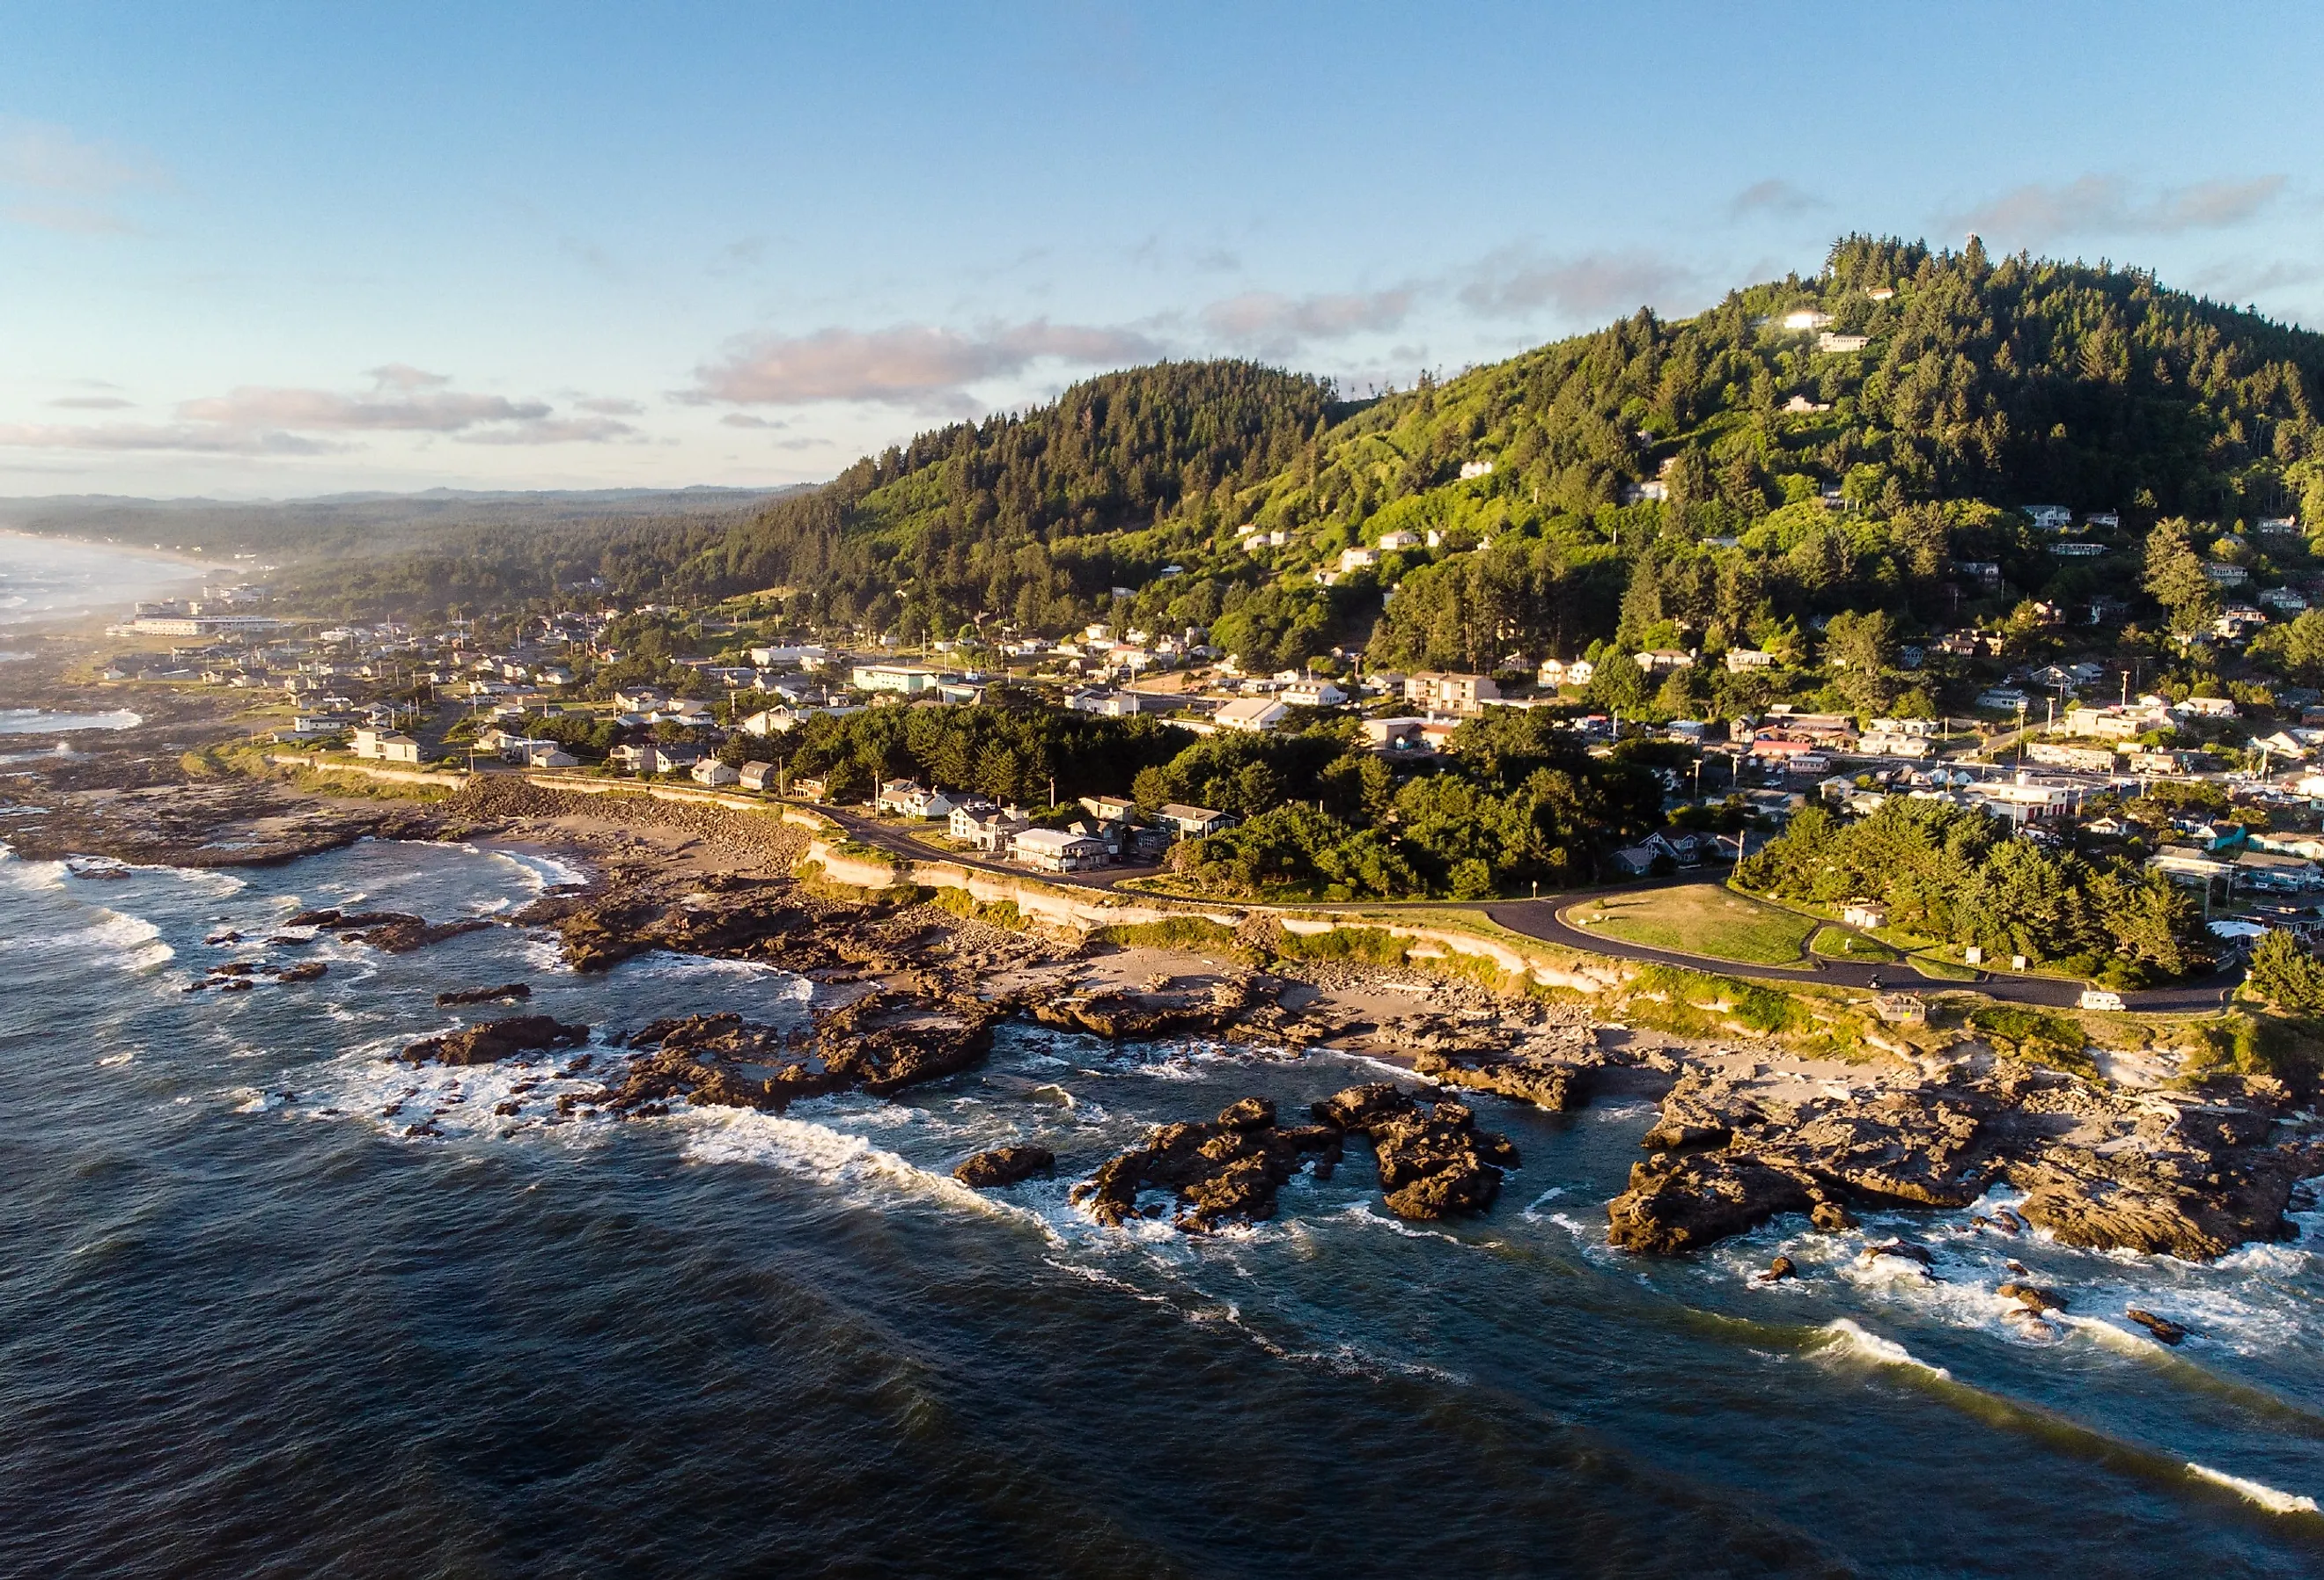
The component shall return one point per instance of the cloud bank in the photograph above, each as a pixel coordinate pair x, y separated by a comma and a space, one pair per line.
905, 365
2096, 205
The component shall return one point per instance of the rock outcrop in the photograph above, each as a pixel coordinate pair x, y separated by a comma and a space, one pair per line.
484, 995
1004, 1166
1433, 1160
496, 1040
2159, 1173
1225, 1171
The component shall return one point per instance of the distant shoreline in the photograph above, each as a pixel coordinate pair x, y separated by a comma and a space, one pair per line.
173, 556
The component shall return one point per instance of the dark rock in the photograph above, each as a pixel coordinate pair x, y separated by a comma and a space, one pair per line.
484, 995
2162, 1327
2032, 1297
221, 940
1904, 1248
1832, 1217
1682, 1204
497, 1040
234, 968
1004, 1166
1779, 1269
305, 971
1224, 1172
1555, 1084
401, 935
508, 1107
317, 918
1434, 1163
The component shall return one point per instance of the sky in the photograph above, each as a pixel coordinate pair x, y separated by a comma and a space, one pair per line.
272, 251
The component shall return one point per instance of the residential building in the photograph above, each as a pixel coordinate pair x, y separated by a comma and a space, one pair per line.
1865, 914
1057, 850
1740, 658
1392, 543
1450, 693
1191, 822
2021, 800
1830, 342
2277, 526
1393, 735
1110, 809
2221, 573
811, 788
2003, 698
1314, 693
548, 755
903, 679
385, 746
2050, 517
1358, 560
758, 776
1557, 672
1474, 469
1806, 318
1662, 660
1254, 714
713, 773
2088, 759
906, 799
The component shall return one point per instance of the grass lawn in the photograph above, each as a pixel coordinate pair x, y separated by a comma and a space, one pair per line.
1837, 943
1940, 969
1699, 918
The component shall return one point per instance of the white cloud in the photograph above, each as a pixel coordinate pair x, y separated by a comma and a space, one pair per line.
1277, 326
907, 364
440, 412
1516, 281
2097, 204
402, 375
184, 437
1773, 196
91, 402
32, 154
554, 430
610, 406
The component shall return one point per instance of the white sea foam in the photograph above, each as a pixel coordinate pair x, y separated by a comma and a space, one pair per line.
1845, 1336
2259, 1493
546, 871
819, 1152
113, 938
117, 1059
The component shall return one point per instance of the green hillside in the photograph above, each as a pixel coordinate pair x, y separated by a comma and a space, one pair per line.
1979, 386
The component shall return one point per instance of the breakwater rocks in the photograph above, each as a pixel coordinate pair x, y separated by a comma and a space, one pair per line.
1004, 1166
392, 932
2169, 1173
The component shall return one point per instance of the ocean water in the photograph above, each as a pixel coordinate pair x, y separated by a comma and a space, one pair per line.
52, 579
250, 1326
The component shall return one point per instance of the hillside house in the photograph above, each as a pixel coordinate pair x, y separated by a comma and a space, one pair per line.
1445, 692
905, 798
1662, 660
1192, 822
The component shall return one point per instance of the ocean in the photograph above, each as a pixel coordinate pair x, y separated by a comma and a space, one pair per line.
53, 579
250, 1326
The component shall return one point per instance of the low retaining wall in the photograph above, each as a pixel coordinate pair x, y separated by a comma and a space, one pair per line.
1429, 943
452, 779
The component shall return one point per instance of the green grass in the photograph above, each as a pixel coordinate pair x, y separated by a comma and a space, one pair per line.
1941, 968
1699, 918
1839, 943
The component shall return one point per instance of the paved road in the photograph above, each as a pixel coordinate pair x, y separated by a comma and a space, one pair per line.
1538, 919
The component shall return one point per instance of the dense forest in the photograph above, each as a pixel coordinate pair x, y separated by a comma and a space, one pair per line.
1850, 465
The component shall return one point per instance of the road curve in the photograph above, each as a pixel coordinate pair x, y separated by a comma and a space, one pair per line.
1539, 919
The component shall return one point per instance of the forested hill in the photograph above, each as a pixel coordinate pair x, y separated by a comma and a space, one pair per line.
1931, 389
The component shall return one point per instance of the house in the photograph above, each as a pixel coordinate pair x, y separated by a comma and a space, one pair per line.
1864, 914
1393, 542
2237, 622
1110, 809
2077, 549
1392, 736
811, 788
1358, 560
987, 828
2220, 574
1557, 672
1314, 693
1450, 693
714, 773
638, 699
968, 814
649, 759
385, 746
1192, 822
2277, 871
1986, 573
2022, 801
1740, 658
905, 798
1470, 470
2050, 517
2183, 863
1057, 850
758, 776
1662, 660
2284, 600
902, 679
2003, 698
1831, 342
2087, 758
2206, 708
548, 755
2277, 526
1881, 744
2105, 520
1255, 714
1807, 318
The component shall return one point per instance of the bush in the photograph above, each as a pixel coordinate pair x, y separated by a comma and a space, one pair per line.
1178, 932
2035, 1037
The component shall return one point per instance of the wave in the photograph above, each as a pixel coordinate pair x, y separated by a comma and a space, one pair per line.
2259, 1493
117, 939
546, 871
820, 1153
40, 721
1844, 1336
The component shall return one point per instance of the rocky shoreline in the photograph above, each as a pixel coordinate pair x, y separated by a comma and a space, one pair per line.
912, 992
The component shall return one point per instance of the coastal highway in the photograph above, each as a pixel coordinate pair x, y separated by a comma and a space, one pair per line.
1539, 919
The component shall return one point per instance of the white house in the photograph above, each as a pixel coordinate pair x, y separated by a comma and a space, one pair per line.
548, 755
1358, 558
1450, 693
1251, 713
908, 800
1555, 672
758, 776
1806, 318
1190, 822
1314, 693
1662, 660
1057, 850
1739, 659
1395, 541
711, 772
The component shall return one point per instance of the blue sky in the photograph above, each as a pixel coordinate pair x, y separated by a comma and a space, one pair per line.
273, 250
